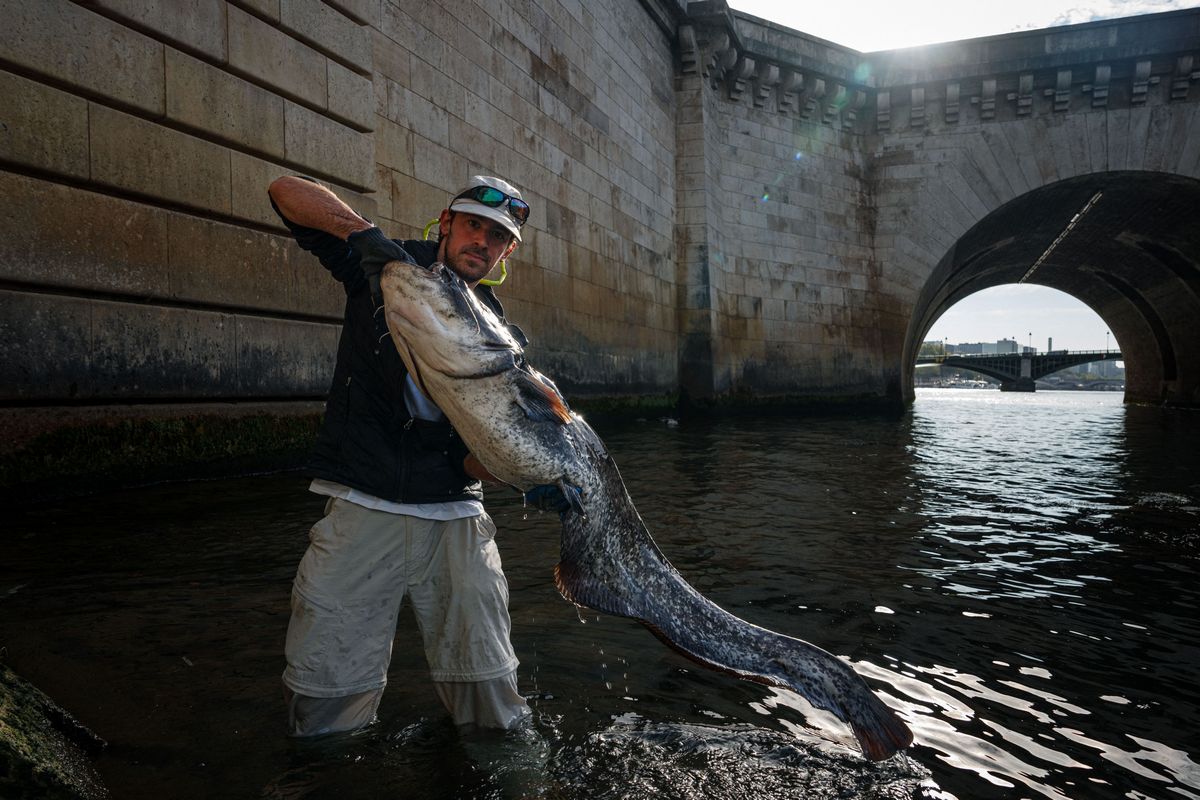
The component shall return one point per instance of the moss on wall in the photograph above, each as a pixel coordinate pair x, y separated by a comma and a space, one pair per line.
126, 451
43, 749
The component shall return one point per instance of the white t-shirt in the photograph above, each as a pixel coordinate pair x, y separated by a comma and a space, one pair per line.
457, 509
421, 407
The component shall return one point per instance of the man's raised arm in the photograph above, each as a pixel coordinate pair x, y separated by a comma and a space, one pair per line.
311, 205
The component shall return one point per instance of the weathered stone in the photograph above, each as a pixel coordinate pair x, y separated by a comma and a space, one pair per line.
228, 107
393, 146
57, 449
45, 347
160, 352
42, 127
268, 9
328, 147
363, 11
314, 290
195, 25
139, 156
390, 60
268, 55
328, 29
80, 48
351, 97
279, 358
250, 177
60, 236
416, 203
43, 749
216, 263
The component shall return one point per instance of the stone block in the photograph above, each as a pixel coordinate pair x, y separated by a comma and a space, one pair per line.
80, 48
268, 55
43, 128
383, 193
415, 202
413, 111
268, 9
249, 179
195, 25
329, 30
365, 12
329, 147
139, 156
390, 60
284, 358
216, 263
55, 348
313, 289
56, 235
393, 146
351, 97
141, 351
45, 346
437, 165
202, 96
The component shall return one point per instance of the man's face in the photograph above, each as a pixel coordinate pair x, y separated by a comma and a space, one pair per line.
472, 245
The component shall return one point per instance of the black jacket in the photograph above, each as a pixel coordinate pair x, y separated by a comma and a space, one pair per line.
367, 440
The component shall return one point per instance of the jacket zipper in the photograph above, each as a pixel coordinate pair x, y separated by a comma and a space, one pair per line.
402, 489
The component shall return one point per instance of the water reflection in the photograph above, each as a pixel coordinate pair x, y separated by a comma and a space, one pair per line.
1014, 573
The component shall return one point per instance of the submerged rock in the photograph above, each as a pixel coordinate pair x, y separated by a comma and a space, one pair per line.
43, 749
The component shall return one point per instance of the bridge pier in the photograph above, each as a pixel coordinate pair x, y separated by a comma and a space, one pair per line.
1017, 385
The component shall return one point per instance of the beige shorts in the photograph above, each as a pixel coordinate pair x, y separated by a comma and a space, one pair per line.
359, 567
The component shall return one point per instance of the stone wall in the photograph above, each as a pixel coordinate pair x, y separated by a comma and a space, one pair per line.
144, 277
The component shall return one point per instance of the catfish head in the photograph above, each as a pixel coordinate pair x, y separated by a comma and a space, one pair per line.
439, 325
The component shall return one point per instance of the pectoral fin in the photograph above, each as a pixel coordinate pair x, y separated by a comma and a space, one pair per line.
540, 400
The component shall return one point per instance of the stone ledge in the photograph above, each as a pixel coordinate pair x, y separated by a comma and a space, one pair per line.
43, 749
55, 452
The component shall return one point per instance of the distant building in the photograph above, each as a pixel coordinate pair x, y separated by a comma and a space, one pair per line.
983, 348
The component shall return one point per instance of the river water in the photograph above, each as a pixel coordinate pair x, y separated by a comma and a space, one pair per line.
1014, 573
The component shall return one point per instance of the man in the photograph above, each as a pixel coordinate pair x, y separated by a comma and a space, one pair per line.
405, 514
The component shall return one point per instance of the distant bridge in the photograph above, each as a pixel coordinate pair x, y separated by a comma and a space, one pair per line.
1017, 371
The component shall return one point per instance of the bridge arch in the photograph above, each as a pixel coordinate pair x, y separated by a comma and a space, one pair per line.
1125, 243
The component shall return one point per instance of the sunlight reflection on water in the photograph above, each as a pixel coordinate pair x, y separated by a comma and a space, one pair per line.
1015, 574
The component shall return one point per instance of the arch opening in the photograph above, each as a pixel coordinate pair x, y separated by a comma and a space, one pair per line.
1125, 244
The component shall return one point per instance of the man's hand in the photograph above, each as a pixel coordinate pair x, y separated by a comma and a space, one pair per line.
311, 205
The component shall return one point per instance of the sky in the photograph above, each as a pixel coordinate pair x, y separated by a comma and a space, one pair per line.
869, 25
1027, 313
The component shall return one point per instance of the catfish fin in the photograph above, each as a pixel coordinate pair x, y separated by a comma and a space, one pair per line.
583, 590
574, 496
539, 401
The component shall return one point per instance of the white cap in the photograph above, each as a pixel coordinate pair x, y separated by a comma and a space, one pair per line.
500, 214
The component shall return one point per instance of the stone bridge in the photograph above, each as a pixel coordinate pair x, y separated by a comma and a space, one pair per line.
723, 209
1066, 157
1017, 372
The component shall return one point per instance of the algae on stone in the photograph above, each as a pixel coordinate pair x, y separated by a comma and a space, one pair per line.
43, 749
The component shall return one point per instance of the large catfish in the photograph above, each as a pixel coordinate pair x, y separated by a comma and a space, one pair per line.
517, 424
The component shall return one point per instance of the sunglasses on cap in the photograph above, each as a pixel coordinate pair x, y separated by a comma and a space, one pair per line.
494, 198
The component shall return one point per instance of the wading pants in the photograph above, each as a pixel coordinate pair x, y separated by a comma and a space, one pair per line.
359, 567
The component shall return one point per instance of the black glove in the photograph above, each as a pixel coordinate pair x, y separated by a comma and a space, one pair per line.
560, 497
375, 250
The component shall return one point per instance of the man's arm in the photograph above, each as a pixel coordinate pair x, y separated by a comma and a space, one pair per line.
311, 205
475, 469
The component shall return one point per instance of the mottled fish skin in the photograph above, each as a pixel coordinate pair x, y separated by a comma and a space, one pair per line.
516, 423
